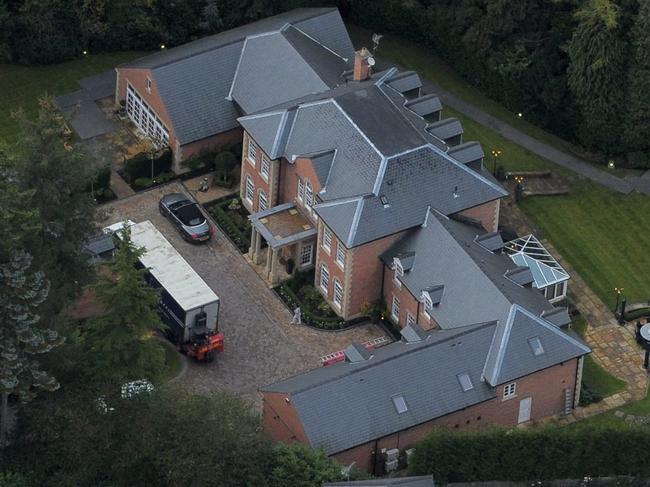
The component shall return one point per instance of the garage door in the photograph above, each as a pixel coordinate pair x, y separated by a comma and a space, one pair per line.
144, 117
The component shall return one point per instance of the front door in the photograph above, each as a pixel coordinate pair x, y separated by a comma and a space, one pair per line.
525, 407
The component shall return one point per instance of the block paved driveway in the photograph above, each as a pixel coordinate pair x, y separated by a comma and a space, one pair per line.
261, 346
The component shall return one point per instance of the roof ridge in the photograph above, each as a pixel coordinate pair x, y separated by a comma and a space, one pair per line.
462, 331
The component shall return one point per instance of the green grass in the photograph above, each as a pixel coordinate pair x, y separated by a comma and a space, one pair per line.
418, 58
594, 376
21, 86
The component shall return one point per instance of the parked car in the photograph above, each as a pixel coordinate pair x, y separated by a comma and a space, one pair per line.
186, 216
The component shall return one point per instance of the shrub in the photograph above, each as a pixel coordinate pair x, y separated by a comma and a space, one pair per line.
224, 163
638, 160
543, 453
139, 166
142, 183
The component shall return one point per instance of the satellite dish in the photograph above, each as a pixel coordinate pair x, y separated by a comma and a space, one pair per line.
371, 61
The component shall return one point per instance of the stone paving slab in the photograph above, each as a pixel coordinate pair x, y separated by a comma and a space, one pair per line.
261, 346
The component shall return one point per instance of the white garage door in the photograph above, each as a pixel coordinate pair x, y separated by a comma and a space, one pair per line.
144, 117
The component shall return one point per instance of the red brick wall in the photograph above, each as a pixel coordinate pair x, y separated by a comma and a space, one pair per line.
221, 141
261, 184
487, 214
280, 419
545, 387
366, 271
138, 79
288, 185
408, 302
335, 270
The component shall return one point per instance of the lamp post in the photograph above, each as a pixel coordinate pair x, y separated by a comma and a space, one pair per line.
618, 291
496, 153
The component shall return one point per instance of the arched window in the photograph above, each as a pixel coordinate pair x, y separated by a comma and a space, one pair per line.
263, 203
250, 190
324, 278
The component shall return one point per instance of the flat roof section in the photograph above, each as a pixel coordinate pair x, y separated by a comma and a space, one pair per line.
283, 225
171, 270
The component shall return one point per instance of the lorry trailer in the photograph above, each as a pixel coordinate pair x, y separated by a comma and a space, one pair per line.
188, 306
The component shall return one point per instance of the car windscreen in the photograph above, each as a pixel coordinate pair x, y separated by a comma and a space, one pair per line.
190, 215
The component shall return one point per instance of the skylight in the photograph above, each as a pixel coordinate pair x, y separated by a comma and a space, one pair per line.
400, 404
384, 201
465, 382
536, 346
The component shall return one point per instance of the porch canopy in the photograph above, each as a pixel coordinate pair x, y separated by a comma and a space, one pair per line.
279, 226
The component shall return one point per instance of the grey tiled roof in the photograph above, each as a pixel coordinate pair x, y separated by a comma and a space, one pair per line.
194, 79
281, 66
511, 355
405, 81
347, 404
446, 128
491, 241
467, 152
558, 316
424, 105
422, 481
447, 253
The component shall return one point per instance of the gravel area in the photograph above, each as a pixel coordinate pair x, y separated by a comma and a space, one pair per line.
261, 346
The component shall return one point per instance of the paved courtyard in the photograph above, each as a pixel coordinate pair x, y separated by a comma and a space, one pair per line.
261, 344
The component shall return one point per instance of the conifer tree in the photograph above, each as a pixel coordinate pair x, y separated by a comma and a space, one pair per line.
121, 345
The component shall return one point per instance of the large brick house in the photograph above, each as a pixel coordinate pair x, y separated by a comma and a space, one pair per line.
357, 175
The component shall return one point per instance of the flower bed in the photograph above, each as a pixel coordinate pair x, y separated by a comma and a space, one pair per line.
315, 311
232, 218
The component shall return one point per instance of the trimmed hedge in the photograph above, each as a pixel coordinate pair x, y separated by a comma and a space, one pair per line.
239, 237
535, 454
308, 317
139, 166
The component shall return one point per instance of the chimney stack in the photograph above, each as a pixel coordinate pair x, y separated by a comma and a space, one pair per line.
362, 67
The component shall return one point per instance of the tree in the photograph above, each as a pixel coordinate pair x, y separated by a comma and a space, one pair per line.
211, 20
120, 346
637, 124
300, 466
168, 437
55, 170
597, 53
22, 290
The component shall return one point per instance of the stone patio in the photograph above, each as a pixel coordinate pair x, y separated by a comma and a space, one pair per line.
613, 346
213, 193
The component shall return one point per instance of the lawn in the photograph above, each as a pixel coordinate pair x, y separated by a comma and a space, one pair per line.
21, 86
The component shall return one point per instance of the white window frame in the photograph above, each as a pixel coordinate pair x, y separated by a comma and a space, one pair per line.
338, 294
265, 167
559, 291
262, 201
148, 85
301, 190
309, 194
340, 255
303, 254
324, 281
327, 240
251, 150
394, 309
428, 306
510, 391
249, 189
144, 118
410, 319
396, 280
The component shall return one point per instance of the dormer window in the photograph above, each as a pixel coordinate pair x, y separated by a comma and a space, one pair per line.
428, 306
399, 269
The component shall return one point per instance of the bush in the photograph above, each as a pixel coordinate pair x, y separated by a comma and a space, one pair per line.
535, 454
142, 183
638, 160
224, 163
139, 166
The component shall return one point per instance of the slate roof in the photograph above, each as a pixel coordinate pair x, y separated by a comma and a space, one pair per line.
281, 66
421, 481
195, 79
511, 356
447, 253
467, 152
424, 105
446, 128
348, 404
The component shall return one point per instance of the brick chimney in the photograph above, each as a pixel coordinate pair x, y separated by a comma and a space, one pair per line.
361, 67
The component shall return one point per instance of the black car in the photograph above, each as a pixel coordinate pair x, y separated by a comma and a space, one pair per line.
186, 216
